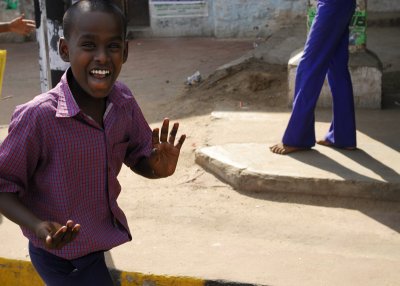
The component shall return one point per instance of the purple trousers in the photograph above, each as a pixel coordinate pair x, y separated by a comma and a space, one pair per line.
326, 53
84, 271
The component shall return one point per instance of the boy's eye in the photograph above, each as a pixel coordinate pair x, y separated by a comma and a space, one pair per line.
88, 45
115, 46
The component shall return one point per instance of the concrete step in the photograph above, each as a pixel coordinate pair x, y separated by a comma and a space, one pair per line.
370, 172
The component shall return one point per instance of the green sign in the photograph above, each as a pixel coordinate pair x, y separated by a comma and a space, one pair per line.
11, 4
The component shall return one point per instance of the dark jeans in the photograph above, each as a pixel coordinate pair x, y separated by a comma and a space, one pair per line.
84, 271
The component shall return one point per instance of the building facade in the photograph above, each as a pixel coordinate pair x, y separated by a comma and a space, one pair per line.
209, 18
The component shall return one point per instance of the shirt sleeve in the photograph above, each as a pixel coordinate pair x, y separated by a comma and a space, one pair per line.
19, 152
140, 137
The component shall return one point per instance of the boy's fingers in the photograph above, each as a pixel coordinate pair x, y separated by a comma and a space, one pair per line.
164, 130
51, 242
76, 228
70, 235
75, 231
58, 236
67, 235
70, 224
60, 232
155, 139
62, 237
172, 134
180, 142
49, 239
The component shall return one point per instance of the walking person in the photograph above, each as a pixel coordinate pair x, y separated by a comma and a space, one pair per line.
326, 53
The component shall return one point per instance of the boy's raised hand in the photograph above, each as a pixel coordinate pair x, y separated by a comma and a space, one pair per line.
55, 235
165, 154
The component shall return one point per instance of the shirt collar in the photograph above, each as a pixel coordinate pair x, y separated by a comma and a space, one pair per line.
67, 106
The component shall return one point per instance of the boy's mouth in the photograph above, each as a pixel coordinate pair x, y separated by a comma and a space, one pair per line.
100, 73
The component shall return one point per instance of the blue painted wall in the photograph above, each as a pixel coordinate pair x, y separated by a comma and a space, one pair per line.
252, 18
234, 18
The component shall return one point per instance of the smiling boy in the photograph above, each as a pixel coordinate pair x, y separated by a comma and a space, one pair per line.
60, 161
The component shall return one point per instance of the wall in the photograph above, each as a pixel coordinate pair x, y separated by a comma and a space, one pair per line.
247, 18
252, 18
178, 26
383, 5
225, 18
233, 18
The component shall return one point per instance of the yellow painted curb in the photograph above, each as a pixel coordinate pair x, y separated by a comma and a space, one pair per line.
22, 273
139, 279
18, 273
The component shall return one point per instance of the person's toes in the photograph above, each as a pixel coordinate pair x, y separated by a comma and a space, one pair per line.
330, 144
350, 148
277, 148
324, 143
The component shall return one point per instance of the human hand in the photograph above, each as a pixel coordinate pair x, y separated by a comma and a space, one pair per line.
165, 154
22, 26
55, 235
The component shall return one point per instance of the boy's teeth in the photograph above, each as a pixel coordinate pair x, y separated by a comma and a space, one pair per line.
102, 72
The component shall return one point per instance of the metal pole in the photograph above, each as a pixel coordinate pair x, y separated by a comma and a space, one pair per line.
49, 14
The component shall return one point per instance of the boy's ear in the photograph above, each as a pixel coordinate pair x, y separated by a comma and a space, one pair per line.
126, 50
63, 50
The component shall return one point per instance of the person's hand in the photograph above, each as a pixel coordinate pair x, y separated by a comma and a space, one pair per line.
22, 26
165, 154
55, 235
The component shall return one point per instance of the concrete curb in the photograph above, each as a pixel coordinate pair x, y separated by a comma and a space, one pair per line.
251, 176
21, 273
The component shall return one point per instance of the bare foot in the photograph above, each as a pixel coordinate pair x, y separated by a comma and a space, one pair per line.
330, 144
283, 149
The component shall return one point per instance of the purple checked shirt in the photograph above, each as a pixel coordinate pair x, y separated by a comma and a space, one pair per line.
64, 165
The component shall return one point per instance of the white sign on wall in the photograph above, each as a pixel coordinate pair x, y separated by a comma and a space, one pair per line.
186, 8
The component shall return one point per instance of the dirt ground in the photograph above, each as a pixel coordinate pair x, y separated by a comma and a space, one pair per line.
250, 85
156, 71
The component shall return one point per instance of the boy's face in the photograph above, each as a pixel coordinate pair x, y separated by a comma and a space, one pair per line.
96, 50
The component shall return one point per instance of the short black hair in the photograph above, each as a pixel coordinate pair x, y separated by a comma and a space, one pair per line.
107, 6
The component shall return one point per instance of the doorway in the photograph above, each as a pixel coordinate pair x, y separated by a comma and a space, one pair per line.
138, 14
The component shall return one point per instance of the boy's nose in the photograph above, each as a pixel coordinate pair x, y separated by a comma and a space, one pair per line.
101, 55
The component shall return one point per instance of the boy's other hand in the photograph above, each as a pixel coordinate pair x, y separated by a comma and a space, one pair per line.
56, 235
164, 158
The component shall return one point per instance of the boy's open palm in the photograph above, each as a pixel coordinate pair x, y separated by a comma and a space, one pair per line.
55, 235
164, 158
